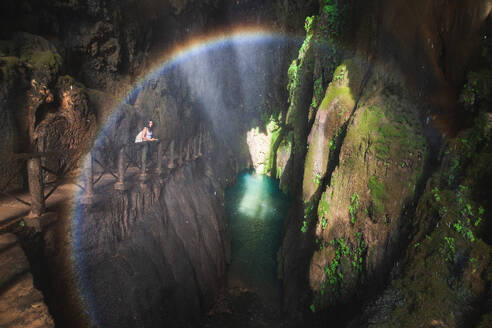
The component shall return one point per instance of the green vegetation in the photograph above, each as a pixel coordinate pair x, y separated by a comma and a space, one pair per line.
333, 16
343, 93
378, 194
463, 212
339, 73
435, 193
476, 88
308, 209
297, 63
323, 207
334, 277
317, 179
308, 215
466, 216
354, 205
304, 226
448, 248
391, 140
357, 256
318, 93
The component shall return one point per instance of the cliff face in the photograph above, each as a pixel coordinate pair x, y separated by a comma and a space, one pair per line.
375, 94
155, 255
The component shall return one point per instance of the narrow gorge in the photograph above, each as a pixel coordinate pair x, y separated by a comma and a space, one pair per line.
303, 164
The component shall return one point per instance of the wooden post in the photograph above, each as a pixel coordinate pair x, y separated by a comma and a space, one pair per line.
194, 148
145, 149
188, 146
120, 185
159, 159
36, 187
89, 182
200, 139
180, 154
170, 165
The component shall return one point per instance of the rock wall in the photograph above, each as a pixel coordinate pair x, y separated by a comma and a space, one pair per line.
155, 255
372, 103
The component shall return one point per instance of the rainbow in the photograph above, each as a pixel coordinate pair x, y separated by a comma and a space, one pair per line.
168, 59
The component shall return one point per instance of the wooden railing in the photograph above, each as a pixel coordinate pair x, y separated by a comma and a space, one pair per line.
93, 177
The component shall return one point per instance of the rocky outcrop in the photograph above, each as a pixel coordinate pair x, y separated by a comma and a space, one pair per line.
21, 304
362, 214
372, 140
43, 111
446, 269
433, 44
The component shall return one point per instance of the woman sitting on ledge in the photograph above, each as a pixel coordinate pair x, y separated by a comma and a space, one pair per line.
145, 134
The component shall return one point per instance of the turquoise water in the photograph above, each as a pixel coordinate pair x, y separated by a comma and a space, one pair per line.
256, 209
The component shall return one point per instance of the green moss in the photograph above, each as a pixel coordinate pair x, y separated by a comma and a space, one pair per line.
339, 73
349, 163
275, 131
390, 138
43, 60
369, 121
343, 93
296, 65
358, 253
318, 93
333, 16
323, 207
347, 258
448, 248
378, 194
382, 150
354, 205
477, 88
304, 227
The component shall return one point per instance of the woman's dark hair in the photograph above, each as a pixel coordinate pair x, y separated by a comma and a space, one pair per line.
150, 127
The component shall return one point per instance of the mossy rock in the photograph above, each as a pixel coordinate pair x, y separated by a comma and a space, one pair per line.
40, 55
43, 60
331, 118
380, 161
447, 264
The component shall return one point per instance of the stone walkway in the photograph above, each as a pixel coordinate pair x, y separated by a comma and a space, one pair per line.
12, 211
21, 304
